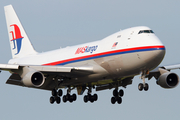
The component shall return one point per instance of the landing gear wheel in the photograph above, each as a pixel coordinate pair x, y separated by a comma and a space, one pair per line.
85, 99
54, 92
68, 96
146, 87
140, 86
121, 93
95, 96
119, 100
74, 97
115, 92
89, 97
60, 92
71, 99
113, 100
58, 100
92, 100
52, 100
64, 99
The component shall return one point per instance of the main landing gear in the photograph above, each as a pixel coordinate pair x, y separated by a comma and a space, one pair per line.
56, 96
90, 97
117, 96
69, 97
143, 85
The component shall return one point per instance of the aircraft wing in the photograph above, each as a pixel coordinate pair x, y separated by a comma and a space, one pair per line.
167, 67
62, 69
52, 71
161, 70
48, 69
172, 67
76, 71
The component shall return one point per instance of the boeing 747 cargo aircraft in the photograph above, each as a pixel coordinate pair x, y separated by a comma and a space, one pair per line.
109, 63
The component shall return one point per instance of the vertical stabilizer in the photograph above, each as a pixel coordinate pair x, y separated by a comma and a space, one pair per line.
19, 41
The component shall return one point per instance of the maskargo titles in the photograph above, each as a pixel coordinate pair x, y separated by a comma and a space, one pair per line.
85, 49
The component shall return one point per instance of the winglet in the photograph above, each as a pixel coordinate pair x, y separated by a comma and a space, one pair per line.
19, 41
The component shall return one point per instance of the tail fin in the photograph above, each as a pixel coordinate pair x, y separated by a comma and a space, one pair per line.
19, 41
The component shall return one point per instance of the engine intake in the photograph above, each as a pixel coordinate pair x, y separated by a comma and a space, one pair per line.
33, 79
168, 80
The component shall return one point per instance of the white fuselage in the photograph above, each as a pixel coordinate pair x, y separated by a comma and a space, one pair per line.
122, 54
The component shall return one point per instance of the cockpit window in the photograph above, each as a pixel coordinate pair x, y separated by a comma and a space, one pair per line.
145, 31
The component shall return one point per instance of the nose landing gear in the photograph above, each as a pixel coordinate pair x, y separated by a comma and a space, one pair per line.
143, 85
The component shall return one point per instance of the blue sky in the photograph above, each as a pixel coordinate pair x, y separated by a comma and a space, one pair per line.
54, 24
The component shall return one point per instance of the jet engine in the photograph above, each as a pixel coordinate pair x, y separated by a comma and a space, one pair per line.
168, 80
33, 79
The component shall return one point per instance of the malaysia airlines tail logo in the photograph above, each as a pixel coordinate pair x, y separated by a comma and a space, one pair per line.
16, 38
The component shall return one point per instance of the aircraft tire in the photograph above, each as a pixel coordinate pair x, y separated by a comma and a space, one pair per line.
68, 96
71, 99
121, 93
140, 86
95, 96
74, 97
54, 92
64, 99
146, 87
92, 100
89, 96
113, 100
52, 99
58, 100
119, 100
85, 99
115, 93
60, 92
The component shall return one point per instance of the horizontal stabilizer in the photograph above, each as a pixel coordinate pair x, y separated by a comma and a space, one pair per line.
8, 66
14, 79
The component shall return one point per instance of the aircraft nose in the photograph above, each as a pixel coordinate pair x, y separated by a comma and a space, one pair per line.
155, 57
160, 53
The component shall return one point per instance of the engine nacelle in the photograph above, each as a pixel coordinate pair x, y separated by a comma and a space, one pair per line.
33, 79
168, 80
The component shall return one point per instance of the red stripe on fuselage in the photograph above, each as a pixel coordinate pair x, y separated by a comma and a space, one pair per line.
105, 53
